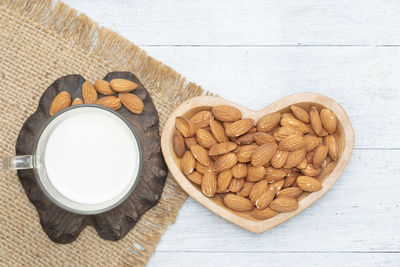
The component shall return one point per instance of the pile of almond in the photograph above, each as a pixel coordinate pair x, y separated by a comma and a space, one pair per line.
91, 93
262, 167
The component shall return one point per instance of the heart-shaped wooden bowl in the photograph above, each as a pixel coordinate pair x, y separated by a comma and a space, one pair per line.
331, 173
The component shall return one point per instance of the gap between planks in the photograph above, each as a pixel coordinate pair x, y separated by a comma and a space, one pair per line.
265, 45
279, 251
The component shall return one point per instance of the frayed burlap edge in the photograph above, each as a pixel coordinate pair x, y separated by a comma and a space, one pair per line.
108, 46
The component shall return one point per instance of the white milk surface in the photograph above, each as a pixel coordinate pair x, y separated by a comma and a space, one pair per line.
91, 157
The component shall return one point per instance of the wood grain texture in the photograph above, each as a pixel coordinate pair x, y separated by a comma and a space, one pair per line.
191, 259
64, 227
360, 213
248, 22
364, 80
344, 135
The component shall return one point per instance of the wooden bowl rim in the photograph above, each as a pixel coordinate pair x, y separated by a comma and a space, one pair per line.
262, 225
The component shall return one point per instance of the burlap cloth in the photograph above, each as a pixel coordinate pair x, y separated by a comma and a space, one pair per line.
39, 42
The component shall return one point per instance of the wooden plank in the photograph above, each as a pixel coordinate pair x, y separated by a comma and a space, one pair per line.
250, 22
191, 259
364, 80
360, 213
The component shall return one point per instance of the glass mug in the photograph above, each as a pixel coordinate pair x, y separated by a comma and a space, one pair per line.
86, 159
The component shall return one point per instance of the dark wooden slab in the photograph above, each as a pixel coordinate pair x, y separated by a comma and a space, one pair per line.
64, 227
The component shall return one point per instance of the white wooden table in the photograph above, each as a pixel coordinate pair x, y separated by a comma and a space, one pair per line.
255, 52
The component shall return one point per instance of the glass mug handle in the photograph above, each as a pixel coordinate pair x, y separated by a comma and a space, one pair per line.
18, 162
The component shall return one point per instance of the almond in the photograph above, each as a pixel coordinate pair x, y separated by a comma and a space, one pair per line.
288, 115
224, 179
189, 141
195, 177
188, 163
236, 142
284, 204
273, 131
330, 141
265, 199
209, 184
302, 164
178, 143
226, 124
300, 114
205, 138
297, 124
288, 171
295, 157
329, 121
292, 143
237, 203
290, 192
246, 188
123, 85
77, 101
89, 93
277, 186
320, 155
323, 133
315, 120
225, 162
236, 185
311, 171
255, 174
111, 102
308, 184
222, 148
60, 102
253, 130
245, 139
262, 138
311, 142
226, 113
310, 156
274, 175
103, 87
259, 188
279, 159
263, 154
244, 153
203, 169
213, 158
324, 163
200, 154
202, 119
185, 126
218, 131
285, 131
268, 122
290, 180
239, 171
264, 213
131, 102
239, 127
